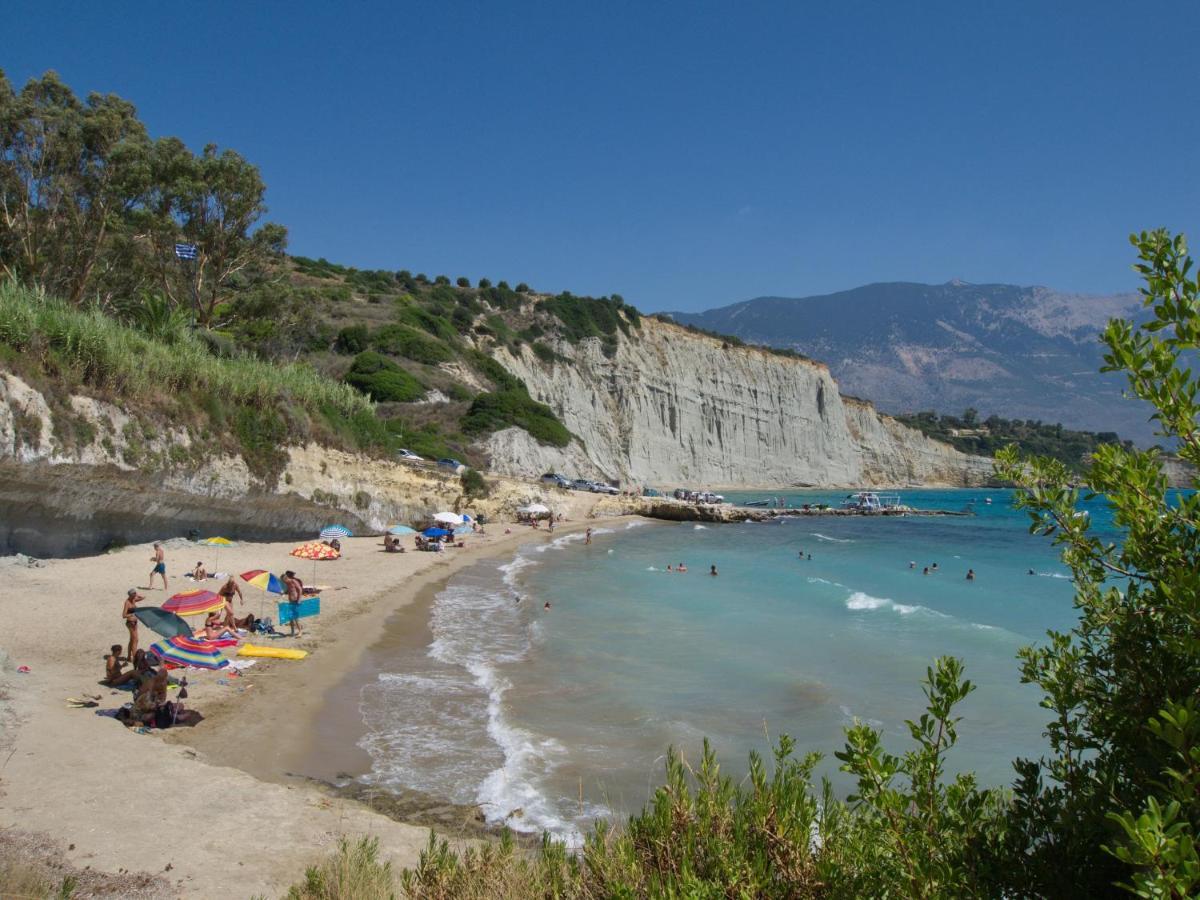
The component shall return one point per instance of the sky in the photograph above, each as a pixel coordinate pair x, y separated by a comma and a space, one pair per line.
683, 155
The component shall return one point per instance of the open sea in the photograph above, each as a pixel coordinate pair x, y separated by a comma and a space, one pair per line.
550, 718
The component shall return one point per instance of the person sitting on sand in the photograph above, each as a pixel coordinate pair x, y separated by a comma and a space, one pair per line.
131, 621
336, 545
112, 664
160, 567
213, 626
139, 673
199, 573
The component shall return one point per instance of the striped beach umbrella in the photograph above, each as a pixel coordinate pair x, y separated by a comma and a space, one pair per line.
264, 581
194, 603
329, 532
186, 651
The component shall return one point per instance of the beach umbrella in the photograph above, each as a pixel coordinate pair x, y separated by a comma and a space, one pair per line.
187, 651
264, 581
194, 603
315, 550
435, 532
329, 532
217, 542
463, 529
162, 621
448, 518
400, 529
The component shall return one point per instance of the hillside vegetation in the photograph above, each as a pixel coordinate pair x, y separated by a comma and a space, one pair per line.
987, 437
99, 208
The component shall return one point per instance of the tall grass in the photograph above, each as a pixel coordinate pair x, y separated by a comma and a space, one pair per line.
103, 353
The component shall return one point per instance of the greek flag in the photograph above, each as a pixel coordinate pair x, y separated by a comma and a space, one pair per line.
185, 251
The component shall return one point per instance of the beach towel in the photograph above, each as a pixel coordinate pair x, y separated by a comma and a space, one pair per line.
305, 609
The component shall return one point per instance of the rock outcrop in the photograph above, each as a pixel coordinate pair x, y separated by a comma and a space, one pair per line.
672, 407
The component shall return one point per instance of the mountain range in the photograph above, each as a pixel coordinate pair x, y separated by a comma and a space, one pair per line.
1017, 352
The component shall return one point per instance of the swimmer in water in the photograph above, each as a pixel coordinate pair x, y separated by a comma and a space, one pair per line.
970, 574
714, 569
1031, 572
669, 568
934, 567
546, 605
912, 563
810, 557
925, 571
681, 568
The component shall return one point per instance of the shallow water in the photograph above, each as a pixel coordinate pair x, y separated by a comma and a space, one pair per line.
563, 715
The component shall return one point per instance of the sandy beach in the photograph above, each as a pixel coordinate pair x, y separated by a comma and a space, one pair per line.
225, 808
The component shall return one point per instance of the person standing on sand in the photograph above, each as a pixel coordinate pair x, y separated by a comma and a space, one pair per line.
131, 621
228, 589
294, 592
160, 566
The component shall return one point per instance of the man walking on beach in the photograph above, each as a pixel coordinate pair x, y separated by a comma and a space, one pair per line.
160, 566
294, 594
131, 621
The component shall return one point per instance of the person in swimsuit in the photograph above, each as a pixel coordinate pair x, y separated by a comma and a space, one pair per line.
228, 589
714, 570
295, 590
131, 621
587, 536
200, 573
112, 664
160, 567
970, 574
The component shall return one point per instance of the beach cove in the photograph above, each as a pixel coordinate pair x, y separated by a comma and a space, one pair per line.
209, 810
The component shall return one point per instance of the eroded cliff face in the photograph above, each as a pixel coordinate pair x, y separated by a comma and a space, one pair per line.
673, 407
79, 474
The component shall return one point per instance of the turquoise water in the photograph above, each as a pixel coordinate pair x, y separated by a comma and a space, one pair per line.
564, 714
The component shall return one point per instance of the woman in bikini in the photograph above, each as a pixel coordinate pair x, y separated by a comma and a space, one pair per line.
228, 589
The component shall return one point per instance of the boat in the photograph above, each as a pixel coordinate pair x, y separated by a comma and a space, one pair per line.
873, 502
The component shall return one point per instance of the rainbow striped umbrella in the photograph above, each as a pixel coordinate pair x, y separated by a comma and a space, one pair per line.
194, 603
264, 581
186, 651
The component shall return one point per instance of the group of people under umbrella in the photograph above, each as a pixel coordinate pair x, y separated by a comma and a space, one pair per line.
181, 646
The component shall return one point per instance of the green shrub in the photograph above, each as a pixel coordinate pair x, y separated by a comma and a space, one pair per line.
402, 340
584, 317
263, 436
459, 393
352, 339
442, 279
484, 283
474, 485
430, 322
382, 380
463, 282
426, 441
352, 872
544, 352
495, 411
522, 288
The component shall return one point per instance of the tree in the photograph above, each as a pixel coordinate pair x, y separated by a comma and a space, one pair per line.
484, 283
970, 416
70, 172
1118, 798
463, 282
215, 201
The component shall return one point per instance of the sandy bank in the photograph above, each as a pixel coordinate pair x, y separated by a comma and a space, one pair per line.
212, 809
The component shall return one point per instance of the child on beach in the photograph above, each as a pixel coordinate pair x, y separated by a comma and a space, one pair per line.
112, 664
295, 590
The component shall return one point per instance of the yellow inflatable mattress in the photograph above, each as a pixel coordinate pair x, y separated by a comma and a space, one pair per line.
272, 652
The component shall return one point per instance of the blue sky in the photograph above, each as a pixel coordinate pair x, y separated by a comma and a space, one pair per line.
684, 155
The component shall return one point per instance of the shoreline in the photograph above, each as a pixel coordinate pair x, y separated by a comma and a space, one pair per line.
318, 740
110, 795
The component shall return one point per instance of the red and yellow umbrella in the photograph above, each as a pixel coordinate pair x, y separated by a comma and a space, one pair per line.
264, 581
194, 603
315, 550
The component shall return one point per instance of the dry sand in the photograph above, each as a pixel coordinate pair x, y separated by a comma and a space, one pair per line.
213, 808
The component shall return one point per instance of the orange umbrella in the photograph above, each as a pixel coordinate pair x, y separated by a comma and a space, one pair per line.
315, 550
194, 603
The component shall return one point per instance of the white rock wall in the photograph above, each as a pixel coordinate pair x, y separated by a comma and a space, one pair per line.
672, 407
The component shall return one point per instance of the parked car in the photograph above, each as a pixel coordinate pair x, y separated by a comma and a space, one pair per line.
600, 487
452, 464
581, 484
409, 456
555, 479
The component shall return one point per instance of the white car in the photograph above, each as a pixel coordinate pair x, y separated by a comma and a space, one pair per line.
599, 487
409, 456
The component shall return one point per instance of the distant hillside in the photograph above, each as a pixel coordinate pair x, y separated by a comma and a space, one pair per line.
1018, 352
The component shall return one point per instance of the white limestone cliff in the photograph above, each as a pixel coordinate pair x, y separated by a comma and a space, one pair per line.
673, 407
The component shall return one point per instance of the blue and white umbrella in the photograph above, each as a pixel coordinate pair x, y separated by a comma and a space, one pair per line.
436, 532
329, 532
449, 518
400, 529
